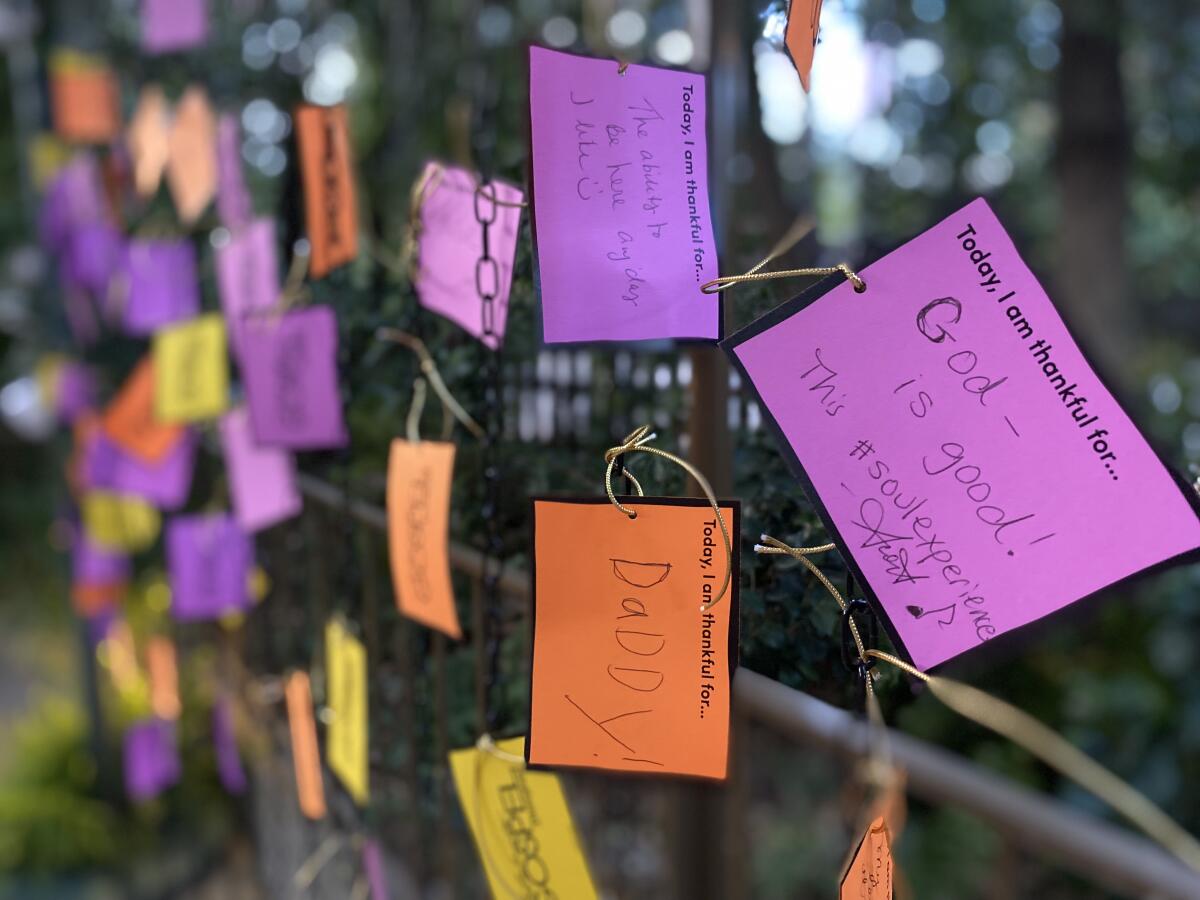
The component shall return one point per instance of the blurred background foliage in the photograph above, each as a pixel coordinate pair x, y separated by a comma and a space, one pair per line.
1078, 119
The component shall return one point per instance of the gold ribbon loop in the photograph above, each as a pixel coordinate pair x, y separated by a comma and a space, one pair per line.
430, 370
719, 284
638, 441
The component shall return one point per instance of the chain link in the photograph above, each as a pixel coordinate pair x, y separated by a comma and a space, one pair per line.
488, 287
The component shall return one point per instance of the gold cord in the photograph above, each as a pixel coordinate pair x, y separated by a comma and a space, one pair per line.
430, 370
493, 199
412, 424
1023, 730
430, 178
801, 227
637, 442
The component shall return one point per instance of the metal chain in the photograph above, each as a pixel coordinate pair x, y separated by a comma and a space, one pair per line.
487, 286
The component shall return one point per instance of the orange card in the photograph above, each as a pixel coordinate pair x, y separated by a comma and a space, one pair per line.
628, 672
804, 18
164, 677
147, 139
869, 876
418, 506
84, 97
192, 155
309, 787
329, 206
92, 599
129, 420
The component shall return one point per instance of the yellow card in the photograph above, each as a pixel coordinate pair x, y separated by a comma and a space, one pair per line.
346, 737
191, 370
521, 825
119, 522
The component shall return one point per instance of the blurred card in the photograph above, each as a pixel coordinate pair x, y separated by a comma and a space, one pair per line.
192, 159
233, 198
346, 736
521, 825
262, 480
191, 370
376, 871
628, 672
310, 788
119, 522
208, 560
913, 414
151, 759
94, 253
84, 97
172, 25
247, 276
229, 761
99, 576
148, 139
450, 246
130, 422
328, 177
165, 484
163, 675
620, 190
161, 284
804, 19
291, 379
418, 507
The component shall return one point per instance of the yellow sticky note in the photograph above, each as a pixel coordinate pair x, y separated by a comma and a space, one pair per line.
521, 825
191, 370
346, 737
119, 522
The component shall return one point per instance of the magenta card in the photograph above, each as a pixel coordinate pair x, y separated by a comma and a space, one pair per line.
620, 201
208, 560
151, 759
290, 374
247, 275
75, 197
233, 199
262, 480
451, 245
161, 284
974, 470
229, 762
165, 484
171, 25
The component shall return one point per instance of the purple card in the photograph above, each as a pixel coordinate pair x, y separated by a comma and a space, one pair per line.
76, 391
248, 275
162, 285
74, 198
972, 467
620, 194
229, 763
233, 199
451, 244
151, 759
290, 374
92, 564
372, 856
208, 561
94, 251
171, 25
262, 480
165, 484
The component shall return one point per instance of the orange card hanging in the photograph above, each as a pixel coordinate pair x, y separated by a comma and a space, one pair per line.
804, 17
869, 875
629, 673
418, 505
164, 677
129, 420
192, 155
148, 139
84, 97
305, 757
329, 205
